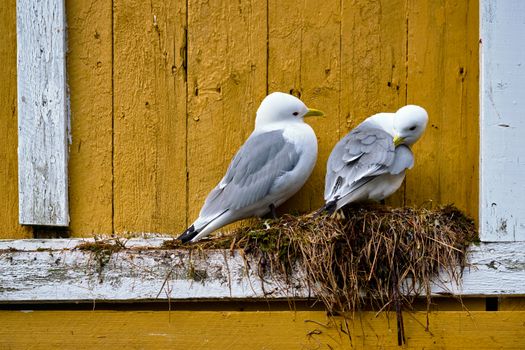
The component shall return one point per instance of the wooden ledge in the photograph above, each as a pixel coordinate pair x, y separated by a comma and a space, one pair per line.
55, 270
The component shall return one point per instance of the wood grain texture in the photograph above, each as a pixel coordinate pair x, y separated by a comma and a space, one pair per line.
442, 77
54, 271
373, 64
256, 330
502, 124
226, 83
304, 58
90, 65
42, 113
149, 116
9, 226
188, 77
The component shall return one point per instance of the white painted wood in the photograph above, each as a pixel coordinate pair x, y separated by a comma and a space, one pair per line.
58, 272
42, 112
53, 271
502, 151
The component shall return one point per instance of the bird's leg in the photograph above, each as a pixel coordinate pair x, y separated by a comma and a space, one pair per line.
272, 212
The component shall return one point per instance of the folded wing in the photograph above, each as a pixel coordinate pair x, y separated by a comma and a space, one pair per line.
253, 171
362, 155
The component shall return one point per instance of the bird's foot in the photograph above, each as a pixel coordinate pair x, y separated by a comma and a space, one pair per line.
272, 212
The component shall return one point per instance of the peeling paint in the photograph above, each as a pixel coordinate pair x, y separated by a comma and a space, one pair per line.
502, 85
154, 274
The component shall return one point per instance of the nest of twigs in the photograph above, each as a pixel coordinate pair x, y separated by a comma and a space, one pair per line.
368, 255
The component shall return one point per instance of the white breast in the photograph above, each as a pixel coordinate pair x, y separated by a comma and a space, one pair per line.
302, 136
305, 141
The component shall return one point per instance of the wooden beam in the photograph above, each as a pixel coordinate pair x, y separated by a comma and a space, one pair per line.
226, 82
42, 113
57, 271
90, 85
263, 329
9, 225
502, 125
442, 76
149, 135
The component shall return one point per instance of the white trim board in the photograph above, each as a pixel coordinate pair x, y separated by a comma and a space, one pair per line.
502, 122
53, 271
42, 112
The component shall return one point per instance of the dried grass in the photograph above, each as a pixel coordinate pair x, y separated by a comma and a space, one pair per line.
374, 254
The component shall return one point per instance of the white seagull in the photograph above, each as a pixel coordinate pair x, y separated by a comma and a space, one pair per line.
369, 163
271, 166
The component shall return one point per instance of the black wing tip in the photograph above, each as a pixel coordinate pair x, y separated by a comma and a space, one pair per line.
329, 208
188, 235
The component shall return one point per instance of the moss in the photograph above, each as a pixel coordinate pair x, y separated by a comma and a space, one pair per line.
372, 254
365, 256
41, 249
102, 246
197, 275
102, 250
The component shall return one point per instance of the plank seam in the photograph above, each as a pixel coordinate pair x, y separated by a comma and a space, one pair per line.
186, 148
112, 116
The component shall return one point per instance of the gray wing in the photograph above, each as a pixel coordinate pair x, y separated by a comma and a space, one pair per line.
403, 159
259, 162
362, 154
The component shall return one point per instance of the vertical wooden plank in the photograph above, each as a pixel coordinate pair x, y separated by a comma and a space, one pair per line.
89, 66
342, 59
42, 113
373, 44
442, 71
470, 108
9, 227
305, 59
149, 115
226, 83
502, 124
425, 86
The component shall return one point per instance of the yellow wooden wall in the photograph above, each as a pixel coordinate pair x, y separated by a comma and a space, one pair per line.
262, 328
164, 92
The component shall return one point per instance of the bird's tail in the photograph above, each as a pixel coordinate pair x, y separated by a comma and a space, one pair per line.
203, 227
329, 208
189, 234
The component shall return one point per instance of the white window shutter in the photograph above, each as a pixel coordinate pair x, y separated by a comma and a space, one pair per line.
502, 129
42, 112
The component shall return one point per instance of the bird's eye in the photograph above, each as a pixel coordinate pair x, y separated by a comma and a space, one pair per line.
413, 128
295, 113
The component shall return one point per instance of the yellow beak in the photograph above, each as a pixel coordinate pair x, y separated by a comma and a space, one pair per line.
398, 140
313, 113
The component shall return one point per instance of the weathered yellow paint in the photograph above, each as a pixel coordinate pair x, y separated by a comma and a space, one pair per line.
149, 94
443, 77
374, 41
89, 69
9, 227
164, 93
256, 330
226, 82
305, 59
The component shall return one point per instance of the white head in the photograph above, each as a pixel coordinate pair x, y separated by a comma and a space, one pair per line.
409, 124
281, 107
